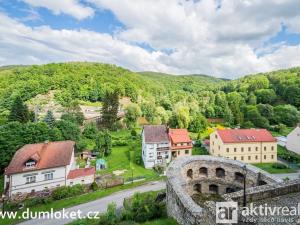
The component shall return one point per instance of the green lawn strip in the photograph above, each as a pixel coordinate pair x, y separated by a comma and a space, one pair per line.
69, 202
268, 167
119, 160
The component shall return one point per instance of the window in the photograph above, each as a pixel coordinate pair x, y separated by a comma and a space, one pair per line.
234, 157
213, 143
30, 179
242, 157
239, 177
189, 173
197, 188
272, 148
220, 172
265, 157
249, 149
214, 188
216, 136
242, 149
227, 149
48, 176
256, 148
256, 157
71, 183
30, 163
150, 155
272, 156
187, 152
82, 181
178, 153
265, 148
203, 171
249, 157
234, 149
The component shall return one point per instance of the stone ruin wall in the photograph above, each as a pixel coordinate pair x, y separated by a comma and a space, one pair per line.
180, 186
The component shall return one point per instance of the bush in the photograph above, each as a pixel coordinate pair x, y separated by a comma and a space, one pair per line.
94, 186
279, 166
11, 206
67, 191
133, 133
143, 207
119, 143
37, 201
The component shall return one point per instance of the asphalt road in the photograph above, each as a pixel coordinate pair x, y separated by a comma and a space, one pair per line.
99, 205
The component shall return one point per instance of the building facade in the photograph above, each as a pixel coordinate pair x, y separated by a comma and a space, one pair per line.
155, 145
43, 166
181, 144
293, 140
160, 145
247, 145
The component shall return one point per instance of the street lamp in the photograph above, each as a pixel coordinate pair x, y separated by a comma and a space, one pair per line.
245, 174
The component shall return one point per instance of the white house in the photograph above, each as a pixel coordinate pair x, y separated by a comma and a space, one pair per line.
293, 140
42, 166
155, 145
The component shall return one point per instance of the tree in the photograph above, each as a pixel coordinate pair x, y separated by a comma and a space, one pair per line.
258, 82
266, 110
252, 114
148, 110
103, 143
266, 96
19, 111
198, 123
109, 112
236, 102
69, 130
286, 114
132, 113
90, 131
49, 119
292, 95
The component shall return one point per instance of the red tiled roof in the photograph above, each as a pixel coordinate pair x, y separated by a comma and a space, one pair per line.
179, 135
245, 135
81, 173
46, 155
155, 133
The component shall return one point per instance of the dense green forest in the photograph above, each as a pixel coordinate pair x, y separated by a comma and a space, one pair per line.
269, 100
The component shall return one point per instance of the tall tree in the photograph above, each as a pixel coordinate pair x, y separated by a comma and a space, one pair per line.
49, 119
103, 143
109, 112
19, 111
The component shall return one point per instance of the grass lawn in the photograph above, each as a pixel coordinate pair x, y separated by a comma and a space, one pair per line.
119, 160
69, 202
268, 167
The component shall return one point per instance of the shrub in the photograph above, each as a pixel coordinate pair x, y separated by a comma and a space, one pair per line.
11, 206
94, 186
67, 191
142, 207
279, 166
133, 133
37, 201
119, 143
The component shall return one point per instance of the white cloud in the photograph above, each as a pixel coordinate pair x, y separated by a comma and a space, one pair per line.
69, 7
227, 41
20, 44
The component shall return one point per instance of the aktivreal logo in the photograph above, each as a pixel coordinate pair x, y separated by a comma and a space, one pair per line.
226, 212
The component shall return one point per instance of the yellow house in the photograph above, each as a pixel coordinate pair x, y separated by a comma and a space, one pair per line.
247, 145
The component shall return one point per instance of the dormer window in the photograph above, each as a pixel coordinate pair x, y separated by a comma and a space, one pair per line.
30, 163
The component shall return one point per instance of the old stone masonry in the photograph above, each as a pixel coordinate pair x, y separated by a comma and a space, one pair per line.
215, 179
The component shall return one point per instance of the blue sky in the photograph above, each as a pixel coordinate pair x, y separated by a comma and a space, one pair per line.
221, 38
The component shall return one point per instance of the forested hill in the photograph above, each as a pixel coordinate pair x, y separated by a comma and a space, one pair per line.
259, 100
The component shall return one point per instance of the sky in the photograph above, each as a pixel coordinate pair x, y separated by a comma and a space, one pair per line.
222, 38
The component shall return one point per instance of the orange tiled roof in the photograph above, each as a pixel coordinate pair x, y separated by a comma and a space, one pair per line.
81, 173
46, 155
179, 135
245, 135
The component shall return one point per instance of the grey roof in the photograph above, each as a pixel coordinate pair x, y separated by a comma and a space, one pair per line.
156, 133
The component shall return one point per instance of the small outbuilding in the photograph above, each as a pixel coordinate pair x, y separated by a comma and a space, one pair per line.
101, 164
